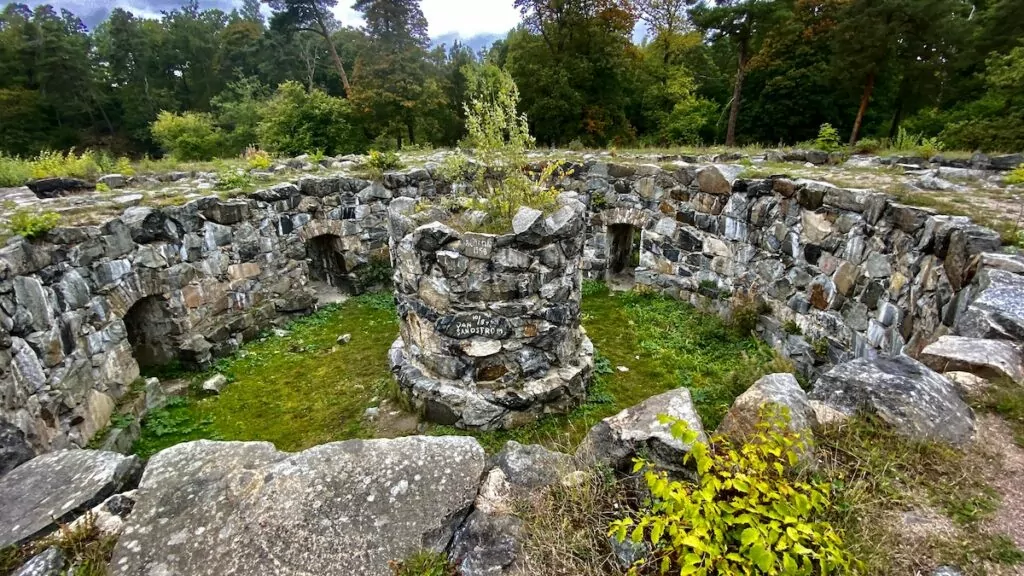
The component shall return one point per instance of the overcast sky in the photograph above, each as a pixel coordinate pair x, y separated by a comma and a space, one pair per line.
465, 17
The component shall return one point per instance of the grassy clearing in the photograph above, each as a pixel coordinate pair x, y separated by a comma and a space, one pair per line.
297, 390
302, 389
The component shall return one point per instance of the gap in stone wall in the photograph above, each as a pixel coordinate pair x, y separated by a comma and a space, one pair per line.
328, 271
623, 255
150, 332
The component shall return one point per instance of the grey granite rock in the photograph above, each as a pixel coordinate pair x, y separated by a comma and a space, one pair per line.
617, 440
14, 449
529, 468
217, 508
916, 401
781, 390
985, 358
49, 562
55, 487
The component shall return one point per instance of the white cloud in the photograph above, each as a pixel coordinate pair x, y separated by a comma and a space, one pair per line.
466, 17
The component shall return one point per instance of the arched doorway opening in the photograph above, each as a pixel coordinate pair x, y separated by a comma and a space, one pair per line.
623, 242
328, 270
151, 332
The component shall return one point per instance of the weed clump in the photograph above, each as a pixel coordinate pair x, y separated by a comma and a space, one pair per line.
32, 225
748, 513
424, 563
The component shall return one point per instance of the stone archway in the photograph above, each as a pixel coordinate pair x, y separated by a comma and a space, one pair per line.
623, 242
151, 331
326, 257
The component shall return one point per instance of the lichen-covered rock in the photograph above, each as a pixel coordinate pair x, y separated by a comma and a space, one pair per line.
907, 395
213, 508
780, 390
985, 358
486, 544
617, 440
998, 310
529, 468
55, 487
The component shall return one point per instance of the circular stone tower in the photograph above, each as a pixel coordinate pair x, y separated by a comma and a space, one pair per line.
490, 333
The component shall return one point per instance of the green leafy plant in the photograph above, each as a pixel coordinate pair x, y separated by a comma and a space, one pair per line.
257, 159
316, 155
792, 328
746, 311
454, 167
1016, 176
828, 139
32, 224
188, 136
380, 162
102, 187
14, 171
748, 513
233, 179
500, 136
820, 346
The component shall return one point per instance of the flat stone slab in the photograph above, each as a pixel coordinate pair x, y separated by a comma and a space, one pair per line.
243, 508
55, 487
981, 357
916, 401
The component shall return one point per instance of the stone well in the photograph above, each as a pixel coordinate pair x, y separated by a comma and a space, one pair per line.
490, 333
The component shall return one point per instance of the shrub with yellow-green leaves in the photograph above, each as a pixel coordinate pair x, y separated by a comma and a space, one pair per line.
749, 513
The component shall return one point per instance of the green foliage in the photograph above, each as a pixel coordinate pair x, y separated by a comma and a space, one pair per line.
747, 514
187, 136
295, 121
746, 311
423, 563
376, 273
455, 167
828, 139
380, 162
14, 171
82, 544
88, 165
257, 159
792, 328
32, 224
869, 146
101, 187
238, 110
1016, 176
820, 347
233, 179
1004, 398
499, 136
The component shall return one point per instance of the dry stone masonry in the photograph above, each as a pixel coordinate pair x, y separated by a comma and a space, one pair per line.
844, 274
490, 323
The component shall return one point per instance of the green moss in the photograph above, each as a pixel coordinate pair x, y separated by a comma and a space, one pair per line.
297, 390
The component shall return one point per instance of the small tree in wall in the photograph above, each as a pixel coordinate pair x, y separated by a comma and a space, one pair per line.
499, 136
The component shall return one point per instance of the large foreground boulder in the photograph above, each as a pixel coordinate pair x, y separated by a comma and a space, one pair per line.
56, 487
617, 440
243, 508
779, 390
916, 401
985, 358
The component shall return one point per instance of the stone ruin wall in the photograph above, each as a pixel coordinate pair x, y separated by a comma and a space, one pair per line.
490, 332
195, 281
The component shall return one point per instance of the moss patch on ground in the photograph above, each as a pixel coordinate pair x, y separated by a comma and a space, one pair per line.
296, 390
302, 389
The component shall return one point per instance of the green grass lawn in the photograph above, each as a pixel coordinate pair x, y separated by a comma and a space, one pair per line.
302, 389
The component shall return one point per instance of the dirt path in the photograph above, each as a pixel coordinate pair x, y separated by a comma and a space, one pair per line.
1006, 476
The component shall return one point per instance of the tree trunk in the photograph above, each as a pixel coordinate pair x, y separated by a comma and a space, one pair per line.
869, 86
334, 56
737, 90
412, 136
